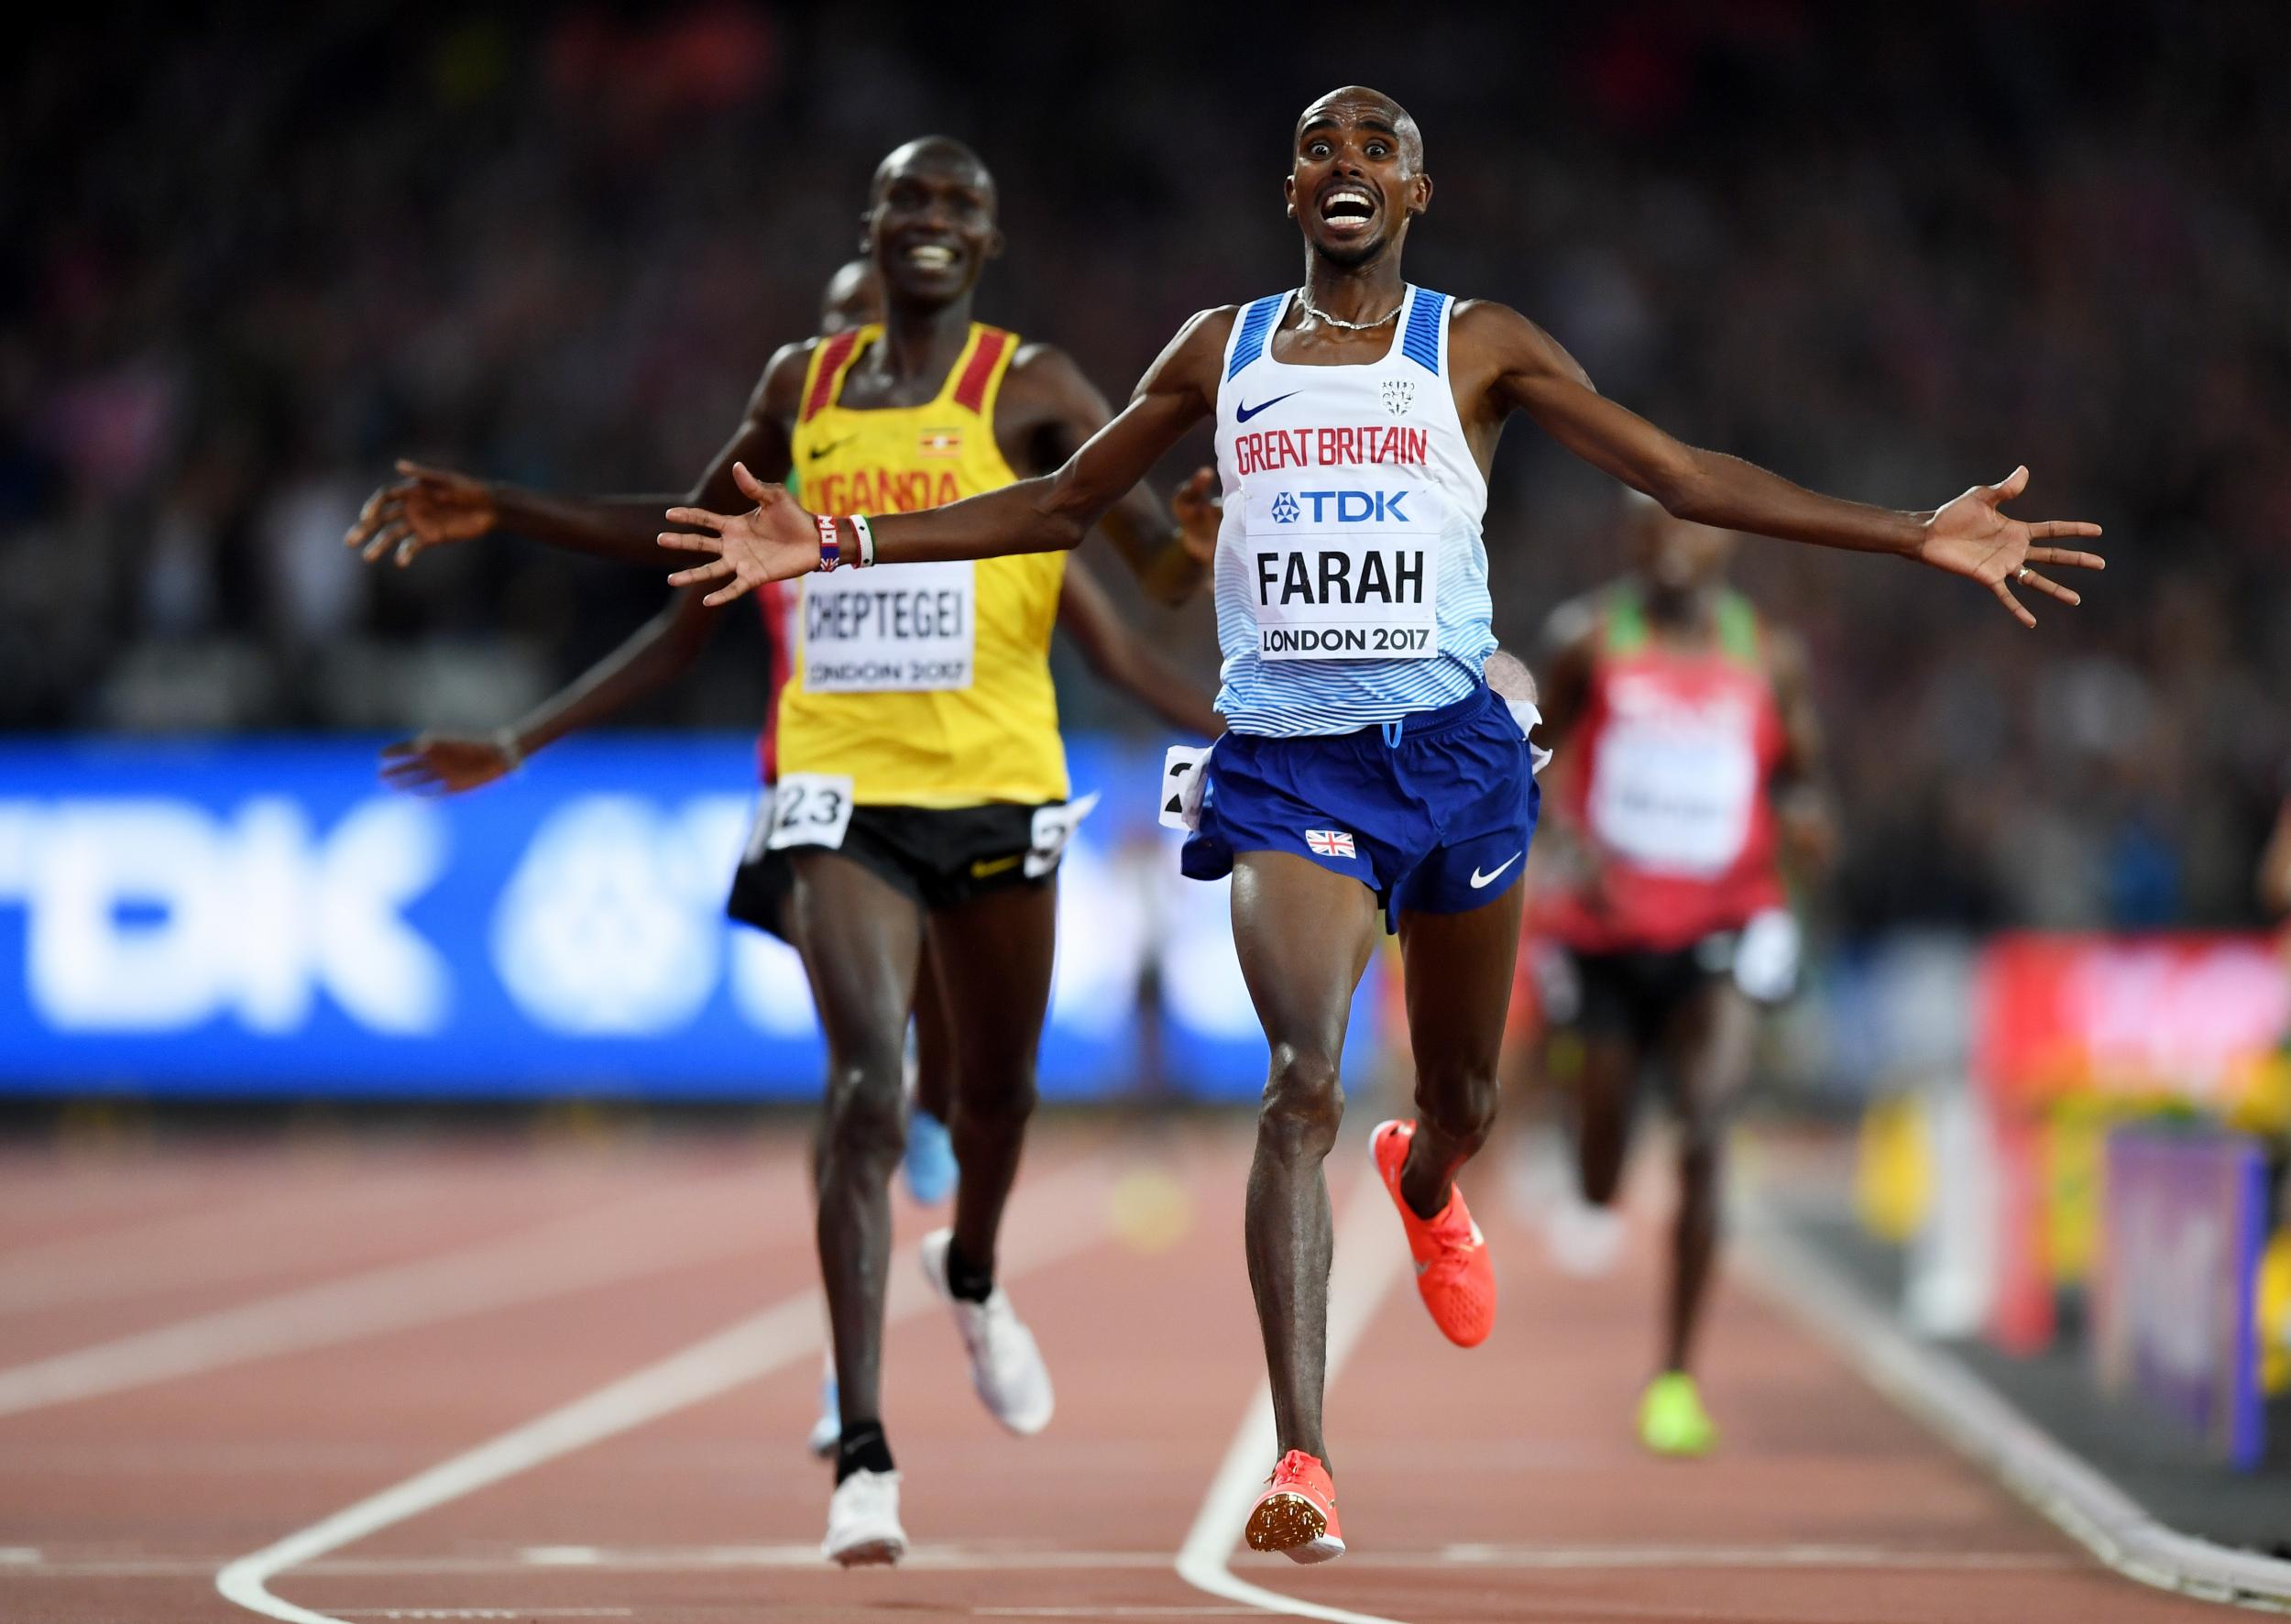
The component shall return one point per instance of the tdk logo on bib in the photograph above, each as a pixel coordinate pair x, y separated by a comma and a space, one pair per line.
1284, 508
1351, 506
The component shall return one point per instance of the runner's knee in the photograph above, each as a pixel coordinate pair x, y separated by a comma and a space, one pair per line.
1304, 1102
998, 1108
1460, 1104
866, 1120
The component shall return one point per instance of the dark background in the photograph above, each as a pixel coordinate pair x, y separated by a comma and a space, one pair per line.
250, 256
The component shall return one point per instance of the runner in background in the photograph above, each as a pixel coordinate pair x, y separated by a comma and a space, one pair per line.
1688, 754
667, 646
922, 797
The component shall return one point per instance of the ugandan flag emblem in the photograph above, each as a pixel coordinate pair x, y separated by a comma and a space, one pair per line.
940, 443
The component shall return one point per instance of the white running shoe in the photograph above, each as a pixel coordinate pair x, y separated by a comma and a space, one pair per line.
863, 1521
1005, 1365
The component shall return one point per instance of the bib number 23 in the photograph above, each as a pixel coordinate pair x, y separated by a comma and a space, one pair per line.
810, 809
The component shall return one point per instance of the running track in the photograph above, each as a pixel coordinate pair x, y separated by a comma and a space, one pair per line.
477, 1380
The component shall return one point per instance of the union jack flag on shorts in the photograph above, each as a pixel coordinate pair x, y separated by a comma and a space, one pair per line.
1330, 842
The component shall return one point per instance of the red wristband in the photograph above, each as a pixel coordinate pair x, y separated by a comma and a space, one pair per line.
830, 542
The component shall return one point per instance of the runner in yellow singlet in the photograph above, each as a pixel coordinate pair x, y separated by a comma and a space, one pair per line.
921, 777
1120, 655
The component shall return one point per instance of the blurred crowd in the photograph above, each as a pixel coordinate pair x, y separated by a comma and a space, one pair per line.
1886, 251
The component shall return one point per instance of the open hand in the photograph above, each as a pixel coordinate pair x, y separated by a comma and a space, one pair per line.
1200, 512
425, 508
774, 540
444, 764
1973, 537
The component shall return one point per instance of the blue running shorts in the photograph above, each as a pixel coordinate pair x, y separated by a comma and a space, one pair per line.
1432, 813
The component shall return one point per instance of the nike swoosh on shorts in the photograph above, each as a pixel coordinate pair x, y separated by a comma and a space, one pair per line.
1243, 412
1480, 880
986, 867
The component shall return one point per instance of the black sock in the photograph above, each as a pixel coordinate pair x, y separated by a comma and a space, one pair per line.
965, 1279
863, 1449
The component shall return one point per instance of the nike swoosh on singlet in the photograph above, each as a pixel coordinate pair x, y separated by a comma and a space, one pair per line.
986, 868
1243, 412
1479, 880
817, 452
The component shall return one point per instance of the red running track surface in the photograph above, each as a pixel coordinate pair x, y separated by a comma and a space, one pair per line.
204, 1354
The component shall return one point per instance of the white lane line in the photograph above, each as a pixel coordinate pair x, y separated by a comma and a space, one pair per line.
599, 1248
1370, 1253
1064, 1216
998, 1559
19, 1556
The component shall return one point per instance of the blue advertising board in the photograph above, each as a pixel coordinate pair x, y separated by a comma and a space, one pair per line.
2184, 1218
264, 919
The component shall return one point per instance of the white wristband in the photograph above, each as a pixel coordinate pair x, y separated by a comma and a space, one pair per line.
866, 532
505, 740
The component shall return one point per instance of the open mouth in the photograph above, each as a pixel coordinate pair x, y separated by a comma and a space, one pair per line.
931, 256
1348, 208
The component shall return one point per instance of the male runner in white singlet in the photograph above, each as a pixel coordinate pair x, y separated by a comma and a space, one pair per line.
1367, 762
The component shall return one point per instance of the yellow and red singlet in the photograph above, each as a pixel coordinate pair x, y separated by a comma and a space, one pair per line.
928, 684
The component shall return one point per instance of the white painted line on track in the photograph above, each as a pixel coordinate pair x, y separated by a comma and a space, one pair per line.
599, 1248
1074, 1219
1370, 1256
19, 1555
997, 1559
1974, 1419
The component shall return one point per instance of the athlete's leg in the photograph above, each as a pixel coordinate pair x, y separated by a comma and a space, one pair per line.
1605, 1092
1303, 935
1613, 1032
992, 956
1458, 969
934, 1036
861, 937
1713, 1041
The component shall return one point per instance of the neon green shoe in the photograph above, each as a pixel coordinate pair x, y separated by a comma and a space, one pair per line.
1671, 1420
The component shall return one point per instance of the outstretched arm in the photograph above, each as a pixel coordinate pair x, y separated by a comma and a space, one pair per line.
776, 540
1123, 659
427, 507
659, 651
1970, 536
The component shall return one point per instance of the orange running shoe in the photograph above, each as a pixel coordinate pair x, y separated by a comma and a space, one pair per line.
1296, 1515
1453, 1274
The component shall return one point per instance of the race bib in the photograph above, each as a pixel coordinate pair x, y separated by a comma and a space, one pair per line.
810, 809
1343, 574
1053, 827
1181, 781
1674, 795
898, 629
